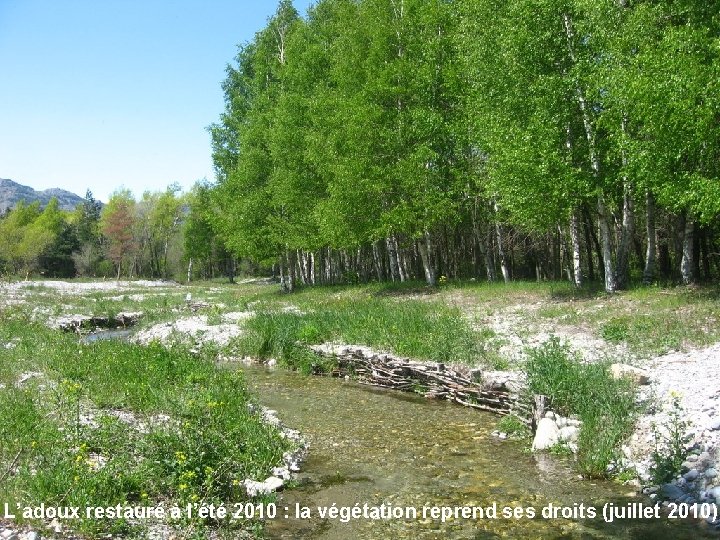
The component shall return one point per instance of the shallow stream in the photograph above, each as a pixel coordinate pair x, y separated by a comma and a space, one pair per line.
371, 446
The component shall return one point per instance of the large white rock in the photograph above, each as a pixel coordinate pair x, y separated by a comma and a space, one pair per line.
271, 484
546, 436
569, 433
638, 376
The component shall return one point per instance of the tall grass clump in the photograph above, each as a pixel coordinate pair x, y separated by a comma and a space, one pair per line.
605, 405
423, 330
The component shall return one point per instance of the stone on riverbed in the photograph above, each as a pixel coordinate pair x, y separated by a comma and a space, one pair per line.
637, 375
569, 433
671, 492
270, 485
546, 436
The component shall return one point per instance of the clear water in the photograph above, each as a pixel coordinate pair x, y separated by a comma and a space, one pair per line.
98, 335
381, 447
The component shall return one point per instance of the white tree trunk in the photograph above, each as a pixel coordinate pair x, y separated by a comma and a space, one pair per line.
312, 268
287, 271
283, 276
606, 245
603, 220
393, 258
651, 232
377, 261
626, 233
627, 230
425, 247
501, 249
687, 265
575, 241
402, 263
484, 242
301, 258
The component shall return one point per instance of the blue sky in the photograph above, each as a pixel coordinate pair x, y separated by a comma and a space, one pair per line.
99, 94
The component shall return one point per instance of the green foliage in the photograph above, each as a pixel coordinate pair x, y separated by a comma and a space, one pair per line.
615, 331
34, 241
384, 119
118, 220
124, 424
671, 442
606, 406
513, 426
200, 241
418, 330
142, 237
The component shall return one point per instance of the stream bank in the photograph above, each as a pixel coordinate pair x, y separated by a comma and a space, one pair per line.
373, 446
171, 302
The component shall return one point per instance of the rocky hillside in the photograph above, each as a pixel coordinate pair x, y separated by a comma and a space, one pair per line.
11, 193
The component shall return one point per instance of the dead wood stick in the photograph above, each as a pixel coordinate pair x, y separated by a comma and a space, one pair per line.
12, 465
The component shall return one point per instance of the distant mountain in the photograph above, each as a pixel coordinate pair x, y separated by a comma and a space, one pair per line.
12, 193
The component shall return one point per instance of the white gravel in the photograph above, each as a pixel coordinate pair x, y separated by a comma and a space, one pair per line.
76, 287
195, 328
694, 378
518, 328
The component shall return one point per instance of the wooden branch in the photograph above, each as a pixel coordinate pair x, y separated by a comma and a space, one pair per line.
12, 466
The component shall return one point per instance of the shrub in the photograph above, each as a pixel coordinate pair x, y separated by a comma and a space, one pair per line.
606, 406
671, 441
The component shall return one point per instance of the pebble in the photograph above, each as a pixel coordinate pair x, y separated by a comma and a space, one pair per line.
715, 425
671, 491
711, 473
691, 475
704, 458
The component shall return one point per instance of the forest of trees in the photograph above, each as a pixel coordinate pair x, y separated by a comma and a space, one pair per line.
416, 139
163, 235
548, 139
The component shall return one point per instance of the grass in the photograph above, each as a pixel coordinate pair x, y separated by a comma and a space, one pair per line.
514, 427
649, 321
115, 423
443, 324
605, 405
423, 330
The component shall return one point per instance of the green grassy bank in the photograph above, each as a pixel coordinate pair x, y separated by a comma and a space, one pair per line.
115, 423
